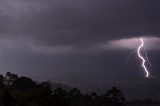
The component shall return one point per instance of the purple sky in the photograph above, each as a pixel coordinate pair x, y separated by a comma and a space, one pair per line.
82, 43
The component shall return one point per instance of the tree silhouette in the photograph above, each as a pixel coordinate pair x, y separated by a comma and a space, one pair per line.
76, 97
60, 98
23, 91
116, 97
6, 98
10, 78
1, 81
23, 83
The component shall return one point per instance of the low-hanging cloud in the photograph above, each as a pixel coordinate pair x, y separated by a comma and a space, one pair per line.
151, 43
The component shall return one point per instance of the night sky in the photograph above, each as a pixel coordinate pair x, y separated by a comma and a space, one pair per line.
82, 43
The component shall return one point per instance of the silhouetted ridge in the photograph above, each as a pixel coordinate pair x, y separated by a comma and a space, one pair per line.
23, 91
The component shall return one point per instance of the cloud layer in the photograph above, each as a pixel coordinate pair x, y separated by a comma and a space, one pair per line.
78, 23
151, 43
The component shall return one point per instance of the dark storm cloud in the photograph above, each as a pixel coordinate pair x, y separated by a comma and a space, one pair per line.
4, 22
62, 27
83, 22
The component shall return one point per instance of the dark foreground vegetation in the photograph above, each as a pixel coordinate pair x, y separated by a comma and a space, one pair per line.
23, 91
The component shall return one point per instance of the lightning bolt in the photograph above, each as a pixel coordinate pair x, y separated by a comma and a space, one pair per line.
147, 57
127, 60
142, 58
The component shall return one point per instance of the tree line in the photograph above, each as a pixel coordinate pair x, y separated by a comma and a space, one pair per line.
23, 91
